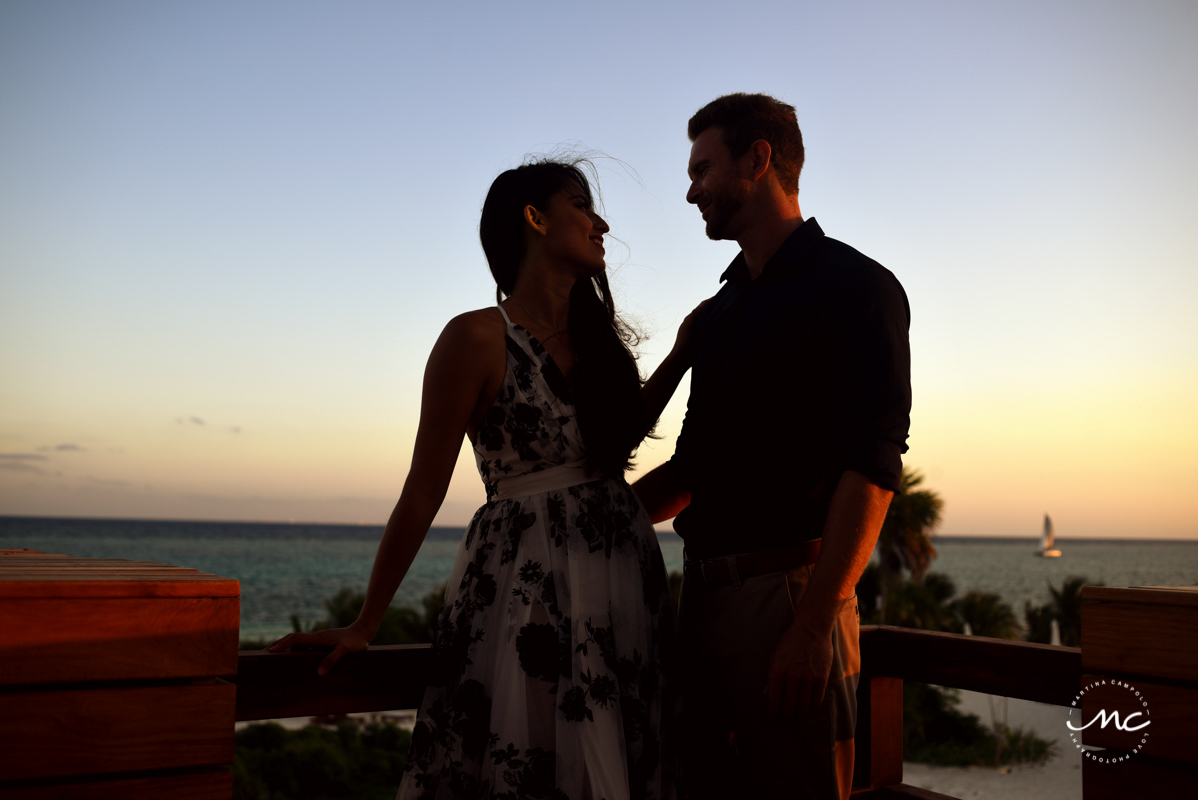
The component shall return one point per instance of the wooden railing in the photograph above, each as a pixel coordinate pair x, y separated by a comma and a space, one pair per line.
279, 685
273, 685
889, 656
114, 683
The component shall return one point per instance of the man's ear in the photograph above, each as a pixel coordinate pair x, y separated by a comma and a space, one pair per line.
757, 158
535, 219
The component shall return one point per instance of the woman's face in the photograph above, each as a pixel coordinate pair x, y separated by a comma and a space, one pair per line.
574, 232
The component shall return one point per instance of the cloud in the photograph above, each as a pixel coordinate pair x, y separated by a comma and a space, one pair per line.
62, 448
192, 420
107, 481
21, 462
235, 429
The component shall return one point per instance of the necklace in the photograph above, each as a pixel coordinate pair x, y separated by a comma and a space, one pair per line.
552, 334
545, 341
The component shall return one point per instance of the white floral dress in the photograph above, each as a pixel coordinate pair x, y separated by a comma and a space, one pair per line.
552, 650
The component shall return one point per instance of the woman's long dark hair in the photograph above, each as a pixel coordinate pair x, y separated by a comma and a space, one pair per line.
607, 383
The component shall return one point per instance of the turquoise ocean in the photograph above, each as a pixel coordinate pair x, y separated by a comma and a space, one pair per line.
288, 569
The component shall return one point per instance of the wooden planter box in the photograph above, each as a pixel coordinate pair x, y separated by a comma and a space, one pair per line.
1145, 638
111, 679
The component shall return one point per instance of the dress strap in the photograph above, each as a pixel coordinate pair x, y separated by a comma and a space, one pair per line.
506, 318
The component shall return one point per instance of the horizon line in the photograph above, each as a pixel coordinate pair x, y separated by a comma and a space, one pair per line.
935, 536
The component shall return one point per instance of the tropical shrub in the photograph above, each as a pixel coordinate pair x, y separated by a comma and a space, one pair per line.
936, 732
317, 763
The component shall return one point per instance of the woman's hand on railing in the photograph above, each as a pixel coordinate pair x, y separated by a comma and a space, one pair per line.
343, 641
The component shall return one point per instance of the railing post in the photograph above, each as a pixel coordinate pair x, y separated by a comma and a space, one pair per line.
110, 679
1140, 655
879, 747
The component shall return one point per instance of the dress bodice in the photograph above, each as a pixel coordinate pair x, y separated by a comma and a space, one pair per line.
532, 426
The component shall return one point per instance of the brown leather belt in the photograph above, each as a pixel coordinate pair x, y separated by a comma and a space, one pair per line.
716, 571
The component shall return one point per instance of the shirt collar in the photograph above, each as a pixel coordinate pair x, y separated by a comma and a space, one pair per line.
791, 252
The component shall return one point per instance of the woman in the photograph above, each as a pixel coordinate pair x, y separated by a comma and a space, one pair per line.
551, 649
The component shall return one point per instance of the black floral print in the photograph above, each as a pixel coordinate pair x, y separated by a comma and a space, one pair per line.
549, 667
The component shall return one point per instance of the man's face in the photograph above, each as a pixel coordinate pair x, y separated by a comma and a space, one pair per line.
716, 187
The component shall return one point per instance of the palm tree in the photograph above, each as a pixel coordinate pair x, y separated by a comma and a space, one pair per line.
986, 615
1065, 606
906, 538
1068, 603
927, 605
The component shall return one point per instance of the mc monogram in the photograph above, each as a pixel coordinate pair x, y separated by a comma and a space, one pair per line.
1124, 709
1125, 725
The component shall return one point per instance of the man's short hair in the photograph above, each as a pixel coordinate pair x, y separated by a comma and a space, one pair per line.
745, 118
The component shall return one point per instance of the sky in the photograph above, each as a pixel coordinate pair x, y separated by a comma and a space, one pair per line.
231, 232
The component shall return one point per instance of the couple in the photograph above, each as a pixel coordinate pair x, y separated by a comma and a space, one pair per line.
557, 669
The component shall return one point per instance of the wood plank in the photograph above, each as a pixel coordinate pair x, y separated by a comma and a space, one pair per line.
879, 734
65, 562
1039, 672
1146, 595
42, 575
88, 732
1139, 639
1170, 710
8, 571
385, 678
98, 585
60, 559
1146, 779
207, 785
58, 641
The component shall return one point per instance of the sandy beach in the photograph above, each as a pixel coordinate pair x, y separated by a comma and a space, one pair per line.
1059, 779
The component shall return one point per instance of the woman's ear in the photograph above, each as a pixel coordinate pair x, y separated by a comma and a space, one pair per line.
535, 219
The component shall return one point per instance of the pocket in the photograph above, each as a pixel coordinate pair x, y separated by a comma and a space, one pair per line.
796, 583
848, 623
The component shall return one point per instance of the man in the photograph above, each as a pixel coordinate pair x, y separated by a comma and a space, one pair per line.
788, 457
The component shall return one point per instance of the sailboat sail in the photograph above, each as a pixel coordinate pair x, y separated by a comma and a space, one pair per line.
1047, 539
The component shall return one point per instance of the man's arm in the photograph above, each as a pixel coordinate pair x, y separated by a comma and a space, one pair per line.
662, 494
802, 660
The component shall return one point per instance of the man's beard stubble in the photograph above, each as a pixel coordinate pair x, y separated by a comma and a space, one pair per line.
724, 206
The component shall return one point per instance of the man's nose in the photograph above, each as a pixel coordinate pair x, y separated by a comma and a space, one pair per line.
692, 194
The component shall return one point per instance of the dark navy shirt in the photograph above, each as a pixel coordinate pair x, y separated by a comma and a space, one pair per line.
799, 375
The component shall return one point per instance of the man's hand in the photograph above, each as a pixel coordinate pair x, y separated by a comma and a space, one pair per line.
802, 660
799, 671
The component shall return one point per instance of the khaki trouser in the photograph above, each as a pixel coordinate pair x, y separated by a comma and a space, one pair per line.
732, 746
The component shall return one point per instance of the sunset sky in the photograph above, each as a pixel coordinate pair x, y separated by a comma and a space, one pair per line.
230, 233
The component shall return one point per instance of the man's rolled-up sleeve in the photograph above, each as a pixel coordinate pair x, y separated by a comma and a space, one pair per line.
877, 381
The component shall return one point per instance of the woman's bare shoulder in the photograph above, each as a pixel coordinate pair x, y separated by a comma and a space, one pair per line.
480, 329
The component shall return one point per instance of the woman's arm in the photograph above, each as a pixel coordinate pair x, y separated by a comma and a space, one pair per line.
660, 387
463, 375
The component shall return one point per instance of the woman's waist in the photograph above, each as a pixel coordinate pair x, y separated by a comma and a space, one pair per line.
548, 478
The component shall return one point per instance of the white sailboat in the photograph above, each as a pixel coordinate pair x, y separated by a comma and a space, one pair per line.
1046, 541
